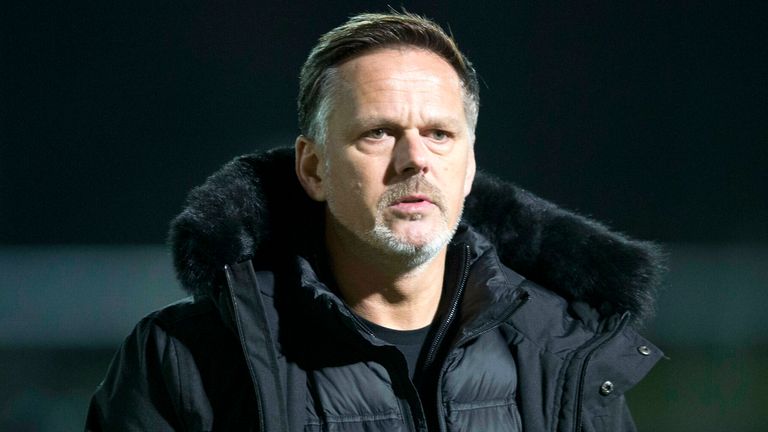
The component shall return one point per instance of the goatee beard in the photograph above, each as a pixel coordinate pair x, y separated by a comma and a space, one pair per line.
407, 253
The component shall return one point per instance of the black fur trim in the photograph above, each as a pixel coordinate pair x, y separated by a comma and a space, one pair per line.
576, 257
254, 207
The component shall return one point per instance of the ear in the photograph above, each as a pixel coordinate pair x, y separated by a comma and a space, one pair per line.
309, 168
470, 176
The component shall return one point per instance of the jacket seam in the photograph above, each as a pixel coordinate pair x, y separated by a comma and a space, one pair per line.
490, 403
559, 388
606, 338
501, 266
251, 371
179, 382
387, 415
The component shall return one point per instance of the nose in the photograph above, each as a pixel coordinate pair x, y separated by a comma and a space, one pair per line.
411, 156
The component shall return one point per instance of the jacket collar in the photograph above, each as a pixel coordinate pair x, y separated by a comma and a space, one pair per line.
482, 288
254, 208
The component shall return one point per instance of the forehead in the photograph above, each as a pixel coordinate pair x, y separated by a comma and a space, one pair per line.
398, 68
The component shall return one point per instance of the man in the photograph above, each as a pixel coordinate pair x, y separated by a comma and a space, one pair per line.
340, 288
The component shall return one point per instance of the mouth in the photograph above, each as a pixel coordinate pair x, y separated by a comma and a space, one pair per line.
413, 199
413, 205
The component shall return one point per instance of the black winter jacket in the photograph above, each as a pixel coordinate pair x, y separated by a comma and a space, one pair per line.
264, 344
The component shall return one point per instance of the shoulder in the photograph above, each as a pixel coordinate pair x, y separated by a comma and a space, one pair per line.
554, 324
167, 372
193, 322
179, 314
559, 327
184, 312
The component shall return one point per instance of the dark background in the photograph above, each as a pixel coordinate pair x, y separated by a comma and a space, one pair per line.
650, 117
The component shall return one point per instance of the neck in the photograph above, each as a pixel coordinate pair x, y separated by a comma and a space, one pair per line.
383, 288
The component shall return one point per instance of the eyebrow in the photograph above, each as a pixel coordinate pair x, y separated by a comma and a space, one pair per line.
442, 122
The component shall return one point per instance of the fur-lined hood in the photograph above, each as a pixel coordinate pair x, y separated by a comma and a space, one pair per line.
255, 208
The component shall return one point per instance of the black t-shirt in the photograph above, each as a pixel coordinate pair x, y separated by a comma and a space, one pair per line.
414, 344
409, 342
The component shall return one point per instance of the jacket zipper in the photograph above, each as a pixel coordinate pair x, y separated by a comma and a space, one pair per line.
361, 325
521, 299
443, 330
446, 324
582, 375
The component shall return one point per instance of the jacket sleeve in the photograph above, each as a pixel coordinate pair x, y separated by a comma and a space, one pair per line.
136, 392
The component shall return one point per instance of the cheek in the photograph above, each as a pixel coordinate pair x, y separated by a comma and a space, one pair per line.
348, 185
358, 179
456, 186
362, 177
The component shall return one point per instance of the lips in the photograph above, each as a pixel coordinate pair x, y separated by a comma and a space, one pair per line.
414, 196
414, 206
413, 199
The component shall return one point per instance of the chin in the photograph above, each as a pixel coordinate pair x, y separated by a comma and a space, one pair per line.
414, 250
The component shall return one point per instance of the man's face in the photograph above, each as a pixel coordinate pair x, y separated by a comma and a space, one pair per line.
398, 160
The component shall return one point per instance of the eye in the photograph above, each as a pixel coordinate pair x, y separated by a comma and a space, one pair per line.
439, 135
376, 134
